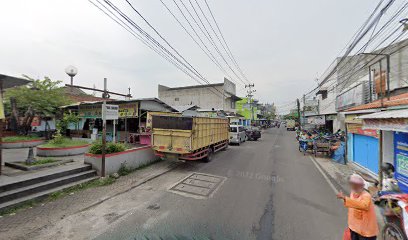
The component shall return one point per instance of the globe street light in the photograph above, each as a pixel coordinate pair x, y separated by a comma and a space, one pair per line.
71, 71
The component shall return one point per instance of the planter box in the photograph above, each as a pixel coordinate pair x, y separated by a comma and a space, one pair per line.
61, 152
22, 144
133, 158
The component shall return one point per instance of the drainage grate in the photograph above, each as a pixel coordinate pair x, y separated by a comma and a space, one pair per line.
198, 185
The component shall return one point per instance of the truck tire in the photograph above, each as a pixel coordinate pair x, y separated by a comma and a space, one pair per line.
209, 156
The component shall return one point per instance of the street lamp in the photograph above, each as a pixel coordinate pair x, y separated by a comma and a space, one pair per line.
387, 56
71, 71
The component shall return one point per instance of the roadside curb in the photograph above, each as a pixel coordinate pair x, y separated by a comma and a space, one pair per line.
137, 184
336, 184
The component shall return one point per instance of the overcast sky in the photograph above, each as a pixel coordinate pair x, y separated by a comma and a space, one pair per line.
280, 45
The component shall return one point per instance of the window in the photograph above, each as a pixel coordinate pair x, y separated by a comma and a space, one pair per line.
233, 129
176, 99
324, 95
232, 104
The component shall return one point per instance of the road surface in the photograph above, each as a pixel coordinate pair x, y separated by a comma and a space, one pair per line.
260, 190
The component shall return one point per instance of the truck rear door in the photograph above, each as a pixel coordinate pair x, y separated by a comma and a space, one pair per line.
172, 134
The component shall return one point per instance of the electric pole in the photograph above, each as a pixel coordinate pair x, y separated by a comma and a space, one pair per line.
249, 98
298, 111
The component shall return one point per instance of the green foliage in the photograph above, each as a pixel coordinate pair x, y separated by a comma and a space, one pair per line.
20, 138
124, 170
61, 142
42, 161
96, 148
67, 119
44, 96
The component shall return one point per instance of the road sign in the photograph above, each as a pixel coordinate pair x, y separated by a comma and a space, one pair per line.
111, 112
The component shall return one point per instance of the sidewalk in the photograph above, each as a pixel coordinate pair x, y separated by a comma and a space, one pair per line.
26, 223
338, 175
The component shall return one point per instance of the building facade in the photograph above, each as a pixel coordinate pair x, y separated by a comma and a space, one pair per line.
218, 96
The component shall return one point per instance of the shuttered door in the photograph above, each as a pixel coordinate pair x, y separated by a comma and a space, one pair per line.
366, 152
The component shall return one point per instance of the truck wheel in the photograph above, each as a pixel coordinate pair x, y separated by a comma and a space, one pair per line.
209, 156
391, 231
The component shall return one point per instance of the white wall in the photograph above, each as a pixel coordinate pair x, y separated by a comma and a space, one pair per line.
388, 147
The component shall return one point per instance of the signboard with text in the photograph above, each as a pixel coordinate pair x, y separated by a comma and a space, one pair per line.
129, 110
401, 160
111, 112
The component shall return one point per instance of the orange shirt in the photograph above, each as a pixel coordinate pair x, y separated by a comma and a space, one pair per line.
361, 214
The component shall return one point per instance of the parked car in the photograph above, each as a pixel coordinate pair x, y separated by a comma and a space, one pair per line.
253, 133
237, 134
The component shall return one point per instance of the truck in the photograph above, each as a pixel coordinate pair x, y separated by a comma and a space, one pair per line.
189, 138
290, 125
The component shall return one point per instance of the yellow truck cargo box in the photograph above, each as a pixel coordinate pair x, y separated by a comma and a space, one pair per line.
181, 135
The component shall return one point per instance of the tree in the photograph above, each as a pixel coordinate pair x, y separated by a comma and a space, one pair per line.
39, 98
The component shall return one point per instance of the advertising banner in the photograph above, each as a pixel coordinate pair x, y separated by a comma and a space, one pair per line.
129, 110
401, 159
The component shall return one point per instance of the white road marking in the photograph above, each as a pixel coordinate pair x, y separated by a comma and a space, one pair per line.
324, 175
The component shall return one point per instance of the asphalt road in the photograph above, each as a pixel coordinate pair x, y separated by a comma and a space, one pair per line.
268, 190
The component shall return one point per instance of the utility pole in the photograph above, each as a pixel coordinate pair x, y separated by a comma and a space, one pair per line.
105, 95
298, 111
249, 98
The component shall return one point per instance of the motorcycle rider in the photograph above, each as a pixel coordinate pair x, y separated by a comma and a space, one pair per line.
362, 220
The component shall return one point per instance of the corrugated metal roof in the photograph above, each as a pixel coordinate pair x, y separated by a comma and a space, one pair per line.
403, 113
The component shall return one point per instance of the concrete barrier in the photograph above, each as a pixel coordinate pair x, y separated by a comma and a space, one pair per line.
61, 152
132, 158
22, 144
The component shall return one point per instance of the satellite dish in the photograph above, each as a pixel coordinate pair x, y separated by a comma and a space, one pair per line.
71, 71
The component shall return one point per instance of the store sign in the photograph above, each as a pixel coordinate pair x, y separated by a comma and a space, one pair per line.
358, 129
111, 112
391, 124
317, 120
352, 118
90, 111
129, 110
401, 160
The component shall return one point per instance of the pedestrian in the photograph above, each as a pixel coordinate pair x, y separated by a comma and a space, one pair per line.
362, 221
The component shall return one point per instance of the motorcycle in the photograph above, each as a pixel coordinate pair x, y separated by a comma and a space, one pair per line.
393, 205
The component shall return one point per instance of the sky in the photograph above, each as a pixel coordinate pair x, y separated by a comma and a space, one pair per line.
282, 46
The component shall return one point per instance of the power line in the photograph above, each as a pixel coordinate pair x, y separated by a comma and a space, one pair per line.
161, 50
226, 44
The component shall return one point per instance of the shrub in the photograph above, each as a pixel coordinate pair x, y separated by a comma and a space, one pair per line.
20, 138
96, 148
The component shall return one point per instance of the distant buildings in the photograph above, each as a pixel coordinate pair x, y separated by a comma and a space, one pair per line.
218, 96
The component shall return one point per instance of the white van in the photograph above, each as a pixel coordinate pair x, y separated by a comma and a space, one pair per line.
237, 134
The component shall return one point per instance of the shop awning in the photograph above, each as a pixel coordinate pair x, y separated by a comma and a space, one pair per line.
402, 113
391, 120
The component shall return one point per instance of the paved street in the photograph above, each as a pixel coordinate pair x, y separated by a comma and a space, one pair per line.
270, 191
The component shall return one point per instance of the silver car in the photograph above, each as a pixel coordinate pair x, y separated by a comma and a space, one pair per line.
237, 134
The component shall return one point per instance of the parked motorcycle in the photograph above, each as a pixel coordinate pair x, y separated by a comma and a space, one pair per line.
393, 205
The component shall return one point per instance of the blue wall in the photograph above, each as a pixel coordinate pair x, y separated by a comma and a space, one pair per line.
366, 152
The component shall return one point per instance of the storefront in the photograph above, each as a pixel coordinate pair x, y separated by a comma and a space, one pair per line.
393, 127
362, 144
130, 127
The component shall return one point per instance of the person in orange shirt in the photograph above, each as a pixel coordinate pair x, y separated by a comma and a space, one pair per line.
362, 220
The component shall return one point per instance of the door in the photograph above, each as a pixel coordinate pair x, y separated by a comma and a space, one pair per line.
366, 152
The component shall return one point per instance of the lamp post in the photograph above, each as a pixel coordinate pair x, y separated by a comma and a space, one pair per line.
71, 71
387, 56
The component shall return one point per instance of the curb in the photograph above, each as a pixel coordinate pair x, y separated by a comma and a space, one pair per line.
143, 181
336, 184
